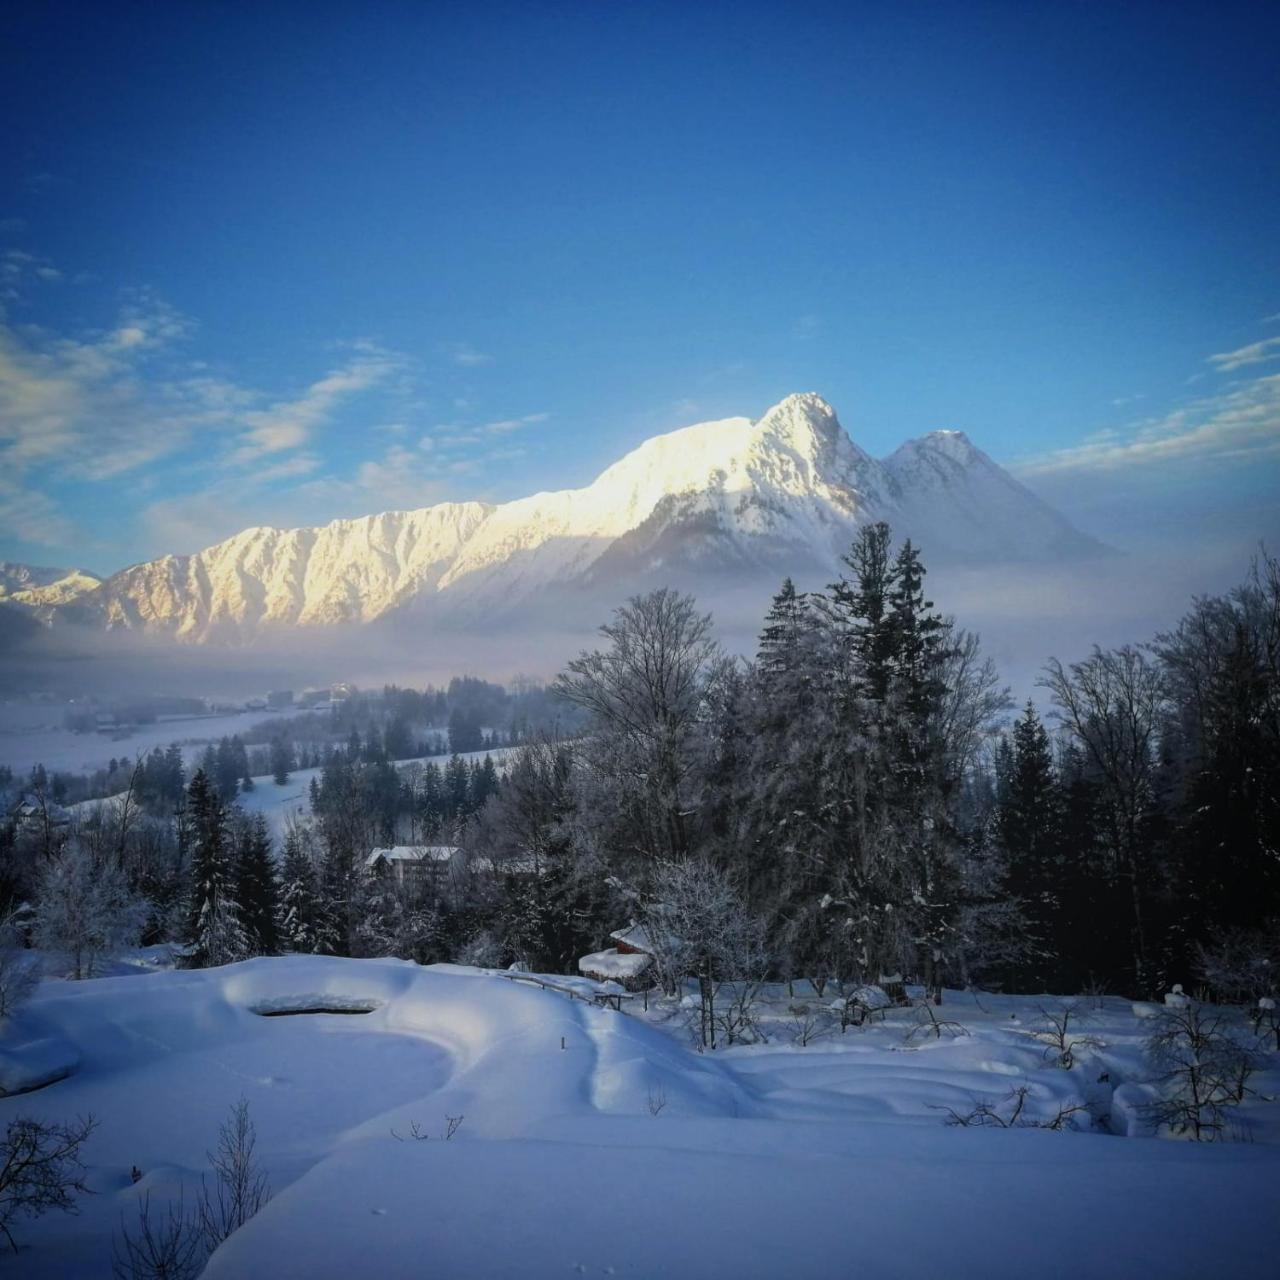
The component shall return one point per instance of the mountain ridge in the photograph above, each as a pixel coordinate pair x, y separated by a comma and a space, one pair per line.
733, 495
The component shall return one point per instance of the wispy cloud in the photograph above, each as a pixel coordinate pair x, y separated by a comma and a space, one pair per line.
465, 355
100, 404
34, 514
288, 424
1239, 425
1254, 353
505, 426
84, 402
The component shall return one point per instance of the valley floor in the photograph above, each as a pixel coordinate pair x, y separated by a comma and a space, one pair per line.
600, 1143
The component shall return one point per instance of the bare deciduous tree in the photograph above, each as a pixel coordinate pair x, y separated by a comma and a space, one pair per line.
40, 1169
167, 1247
86, 909
1061, 1043
1111, 704
646, 693
702, 928
929, 1024
240, 1187
1242, 964
1203, 1062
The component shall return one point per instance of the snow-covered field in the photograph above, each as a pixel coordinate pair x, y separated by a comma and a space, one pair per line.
768, 1161
32, 733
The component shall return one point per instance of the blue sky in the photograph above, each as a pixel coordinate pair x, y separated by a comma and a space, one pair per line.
281, 263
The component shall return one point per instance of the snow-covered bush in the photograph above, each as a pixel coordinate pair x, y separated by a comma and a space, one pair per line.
702, 929
1242, 964
482, 950
18, 972
87, 909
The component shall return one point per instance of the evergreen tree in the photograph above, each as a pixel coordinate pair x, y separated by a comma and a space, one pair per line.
175, 777
281, 760
430, 800
464, 731
397, 741
483, 784
256, 888
783, 858
214, 933
1030, 817
300, 916
457, 789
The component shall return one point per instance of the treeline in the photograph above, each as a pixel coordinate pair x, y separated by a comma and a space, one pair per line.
468, 715
205, 874
854, 803
320, 894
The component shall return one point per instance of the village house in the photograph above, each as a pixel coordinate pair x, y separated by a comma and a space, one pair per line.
31, 813
628, 961
420, 866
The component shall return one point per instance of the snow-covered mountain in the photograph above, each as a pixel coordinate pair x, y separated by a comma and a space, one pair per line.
781, 494
40, 588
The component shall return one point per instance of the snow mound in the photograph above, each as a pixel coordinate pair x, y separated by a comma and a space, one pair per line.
35, 1064
594, 1143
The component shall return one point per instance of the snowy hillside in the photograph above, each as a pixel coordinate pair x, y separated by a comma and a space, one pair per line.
784, 493
596, 1143
40, 588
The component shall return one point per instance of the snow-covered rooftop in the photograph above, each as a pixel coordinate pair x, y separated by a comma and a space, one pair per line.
611, 964
413, 853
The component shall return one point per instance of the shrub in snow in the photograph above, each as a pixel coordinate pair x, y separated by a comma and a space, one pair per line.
87, 909
1202, 1064
1265, 1019
176, 1245
1011, 1113
929, 1024
810, 1021
1242, 964
167, 1246
481, 951
451, 1126
40, 1169
240, 1188
1061, 1043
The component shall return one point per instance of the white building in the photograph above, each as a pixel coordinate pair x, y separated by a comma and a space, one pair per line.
418, 865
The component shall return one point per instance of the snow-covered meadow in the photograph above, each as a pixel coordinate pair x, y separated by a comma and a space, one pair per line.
32, 733
596, 1142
